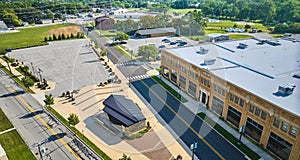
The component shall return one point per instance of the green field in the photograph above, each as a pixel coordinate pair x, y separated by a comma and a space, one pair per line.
181, 11
4, 122
223, 24
26, 37
239, 36
15, 147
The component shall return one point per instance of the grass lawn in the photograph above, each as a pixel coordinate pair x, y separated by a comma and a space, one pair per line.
223, 24
26, 37
251, 154
4, 122
181, 11
171, 90
15, 147
239, 36
108, 34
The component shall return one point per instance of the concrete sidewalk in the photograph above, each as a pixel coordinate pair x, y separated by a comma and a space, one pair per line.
197, 107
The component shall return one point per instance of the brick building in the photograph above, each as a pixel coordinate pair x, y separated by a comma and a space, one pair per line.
247, 82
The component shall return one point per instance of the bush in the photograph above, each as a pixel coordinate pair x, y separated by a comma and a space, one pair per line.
50, 38
63, 36
45, 39
27, 82
68, 37
78, 35
54, 37
72, 35
11, 60
59, 37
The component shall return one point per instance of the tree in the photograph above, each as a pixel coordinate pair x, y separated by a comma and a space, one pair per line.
125, 157
121, 36
148, 52
27, 82
103, 51
73, 119
63, 36
49, 100
147, 22
54, 37
10, 18
247, 26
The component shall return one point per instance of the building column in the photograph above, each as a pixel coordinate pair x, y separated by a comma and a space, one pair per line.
266, 132
295, 154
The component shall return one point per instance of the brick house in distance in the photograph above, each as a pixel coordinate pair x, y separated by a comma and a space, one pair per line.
104, 23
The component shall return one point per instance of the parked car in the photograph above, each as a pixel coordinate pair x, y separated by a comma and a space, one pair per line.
172, 43
178, 40
180, 45
165, 39
162, 46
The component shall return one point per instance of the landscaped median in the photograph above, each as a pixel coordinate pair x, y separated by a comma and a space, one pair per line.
251, 154
79, 134
12, 142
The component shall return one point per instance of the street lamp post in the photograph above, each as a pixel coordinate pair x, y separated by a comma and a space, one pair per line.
241, 131
194, 146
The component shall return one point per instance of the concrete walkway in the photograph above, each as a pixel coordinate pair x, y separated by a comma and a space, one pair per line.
8, 130
197, 107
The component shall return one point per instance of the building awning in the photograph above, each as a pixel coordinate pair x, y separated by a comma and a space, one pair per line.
122, 109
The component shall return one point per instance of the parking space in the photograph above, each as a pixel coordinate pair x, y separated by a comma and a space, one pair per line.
133, 44
70, 64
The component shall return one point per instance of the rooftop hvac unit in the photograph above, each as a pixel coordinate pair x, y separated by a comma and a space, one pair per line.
202, 51
286, 89
242, 46
209, 61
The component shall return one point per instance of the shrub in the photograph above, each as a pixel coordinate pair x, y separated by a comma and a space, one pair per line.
68, 37
54, 37
27, 82
59, 37
63, 36
11, 60
45, 39
82, 35
72, 35
78, 35
50, 38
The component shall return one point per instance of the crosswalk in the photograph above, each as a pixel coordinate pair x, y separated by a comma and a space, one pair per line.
131, 63
131, 78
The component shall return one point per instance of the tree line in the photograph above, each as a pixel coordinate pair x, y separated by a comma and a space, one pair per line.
190, 24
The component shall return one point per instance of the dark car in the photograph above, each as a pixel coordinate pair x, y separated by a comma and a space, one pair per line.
172, 43
166, 40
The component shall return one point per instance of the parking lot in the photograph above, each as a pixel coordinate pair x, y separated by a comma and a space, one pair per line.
133, 44
70, 64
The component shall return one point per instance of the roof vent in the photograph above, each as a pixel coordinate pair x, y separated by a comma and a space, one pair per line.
273, 43
296, 75
286, 89
242, 46
209, 61
202, 51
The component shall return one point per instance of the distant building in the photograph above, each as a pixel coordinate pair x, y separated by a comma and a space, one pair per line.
215, 37
248, 83
124, 112
3, 27
104, 23
157, 32
133, 15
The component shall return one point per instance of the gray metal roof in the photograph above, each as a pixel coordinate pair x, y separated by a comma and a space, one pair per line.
125, 110
156, 31
3, 26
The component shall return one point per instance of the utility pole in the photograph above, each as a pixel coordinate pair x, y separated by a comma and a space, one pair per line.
193, 147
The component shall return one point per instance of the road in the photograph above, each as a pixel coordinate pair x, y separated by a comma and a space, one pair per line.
188, 127
130, 70
34, 125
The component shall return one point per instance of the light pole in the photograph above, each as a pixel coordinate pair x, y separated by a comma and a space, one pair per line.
241, 131
194, 146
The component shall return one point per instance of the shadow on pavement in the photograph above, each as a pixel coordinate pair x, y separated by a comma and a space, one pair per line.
12, 94
31, 114
56, 137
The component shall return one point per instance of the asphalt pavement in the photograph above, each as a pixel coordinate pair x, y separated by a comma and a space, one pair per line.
185, 124
36, 126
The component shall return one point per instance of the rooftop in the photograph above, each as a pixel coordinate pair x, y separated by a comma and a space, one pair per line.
156, 31
259, 68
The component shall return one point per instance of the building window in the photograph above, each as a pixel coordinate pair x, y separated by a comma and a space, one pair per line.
276, 122
251, 109
257, 111
223, 92
284, 126
293, 131
236, 100
242, 103
263, 115
231, 97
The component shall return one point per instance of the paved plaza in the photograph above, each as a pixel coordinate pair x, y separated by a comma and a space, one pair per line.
70, 64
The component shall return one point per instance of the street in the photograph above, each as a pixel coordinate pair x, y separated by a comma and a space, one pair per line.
188, 127
36, 127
